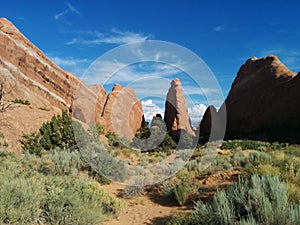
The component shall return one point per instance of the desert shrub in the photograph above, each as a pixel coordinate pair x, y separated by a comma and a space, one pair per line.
186, 141
150, 139
57, 133
29, 197
133, 191
221, 163
179, 219
104, 162
3, 144
256, 158
116, 141
20, 101
245, 144
192, 165
100, 129
182, 188
258, 200
267, 169
59, 162
20, 197
96, 130
167, 144
72, 201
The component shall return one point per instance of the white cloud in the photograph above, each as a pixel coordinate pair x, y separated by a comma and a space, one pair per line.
75, 65
151, 109
58, 15
218, 28
73, 9
116, 37
70, 8
196, 112
111, 72
69, 61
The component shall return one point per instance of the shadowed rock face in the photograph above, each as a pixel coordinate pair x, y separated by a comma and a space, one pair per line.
123, 112
263, 103
176, 111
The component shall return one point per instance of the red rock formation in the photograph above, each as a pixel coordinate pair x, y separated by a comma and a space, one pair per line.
176, 111
34, 76
263, 102
123, 112
30, 75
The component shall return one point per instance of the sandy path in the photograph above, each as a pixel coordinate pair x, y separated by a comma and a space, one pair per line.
149, 209
154, 209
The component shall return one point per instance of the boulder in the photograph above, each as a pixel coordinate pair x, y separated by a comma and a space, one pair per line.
123, 113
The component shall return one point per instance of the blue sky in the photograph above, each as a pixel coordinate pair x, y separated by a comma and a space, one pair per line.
223, 33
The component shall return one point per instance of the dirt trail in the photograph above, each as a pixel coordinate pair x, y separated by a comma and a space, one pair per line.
150, 209
155, 209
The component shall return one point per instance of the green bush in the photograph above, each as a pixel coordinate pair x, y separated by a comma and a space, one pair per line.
182, 188
59, 162
245, 144
258, 200
20, 101
57, 133
20, 198
72, 201
28, 197
133, 191
116, 141
3, 144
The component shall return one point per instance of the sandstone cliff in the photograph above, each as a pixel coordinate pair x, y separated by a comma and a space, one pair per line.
263, 103
176, 111
28, 74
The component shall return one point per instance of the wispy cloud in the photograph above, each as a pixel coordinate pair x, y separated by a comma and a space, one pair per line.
73, 9
70, 8
115, 37
218, 28
75, 65
114, 71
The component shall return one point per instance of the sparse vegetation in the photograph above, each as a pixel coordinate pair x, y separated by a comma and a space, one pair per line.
28, 197
258, 200
53, 160
3, 143
44, 108
20, 101
182, 188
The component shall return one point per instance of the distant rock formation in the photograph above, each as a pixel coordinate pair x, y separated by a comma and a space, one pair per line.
123, 112
176, 111
263, 103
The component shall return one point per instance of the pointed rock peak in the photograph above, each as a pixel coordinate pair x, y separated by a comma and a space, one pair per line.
117, 87
176, 111
175, 82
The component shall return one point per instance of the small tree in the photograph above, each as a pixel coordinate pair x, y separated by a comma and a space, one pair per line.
57, 133
4, 105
